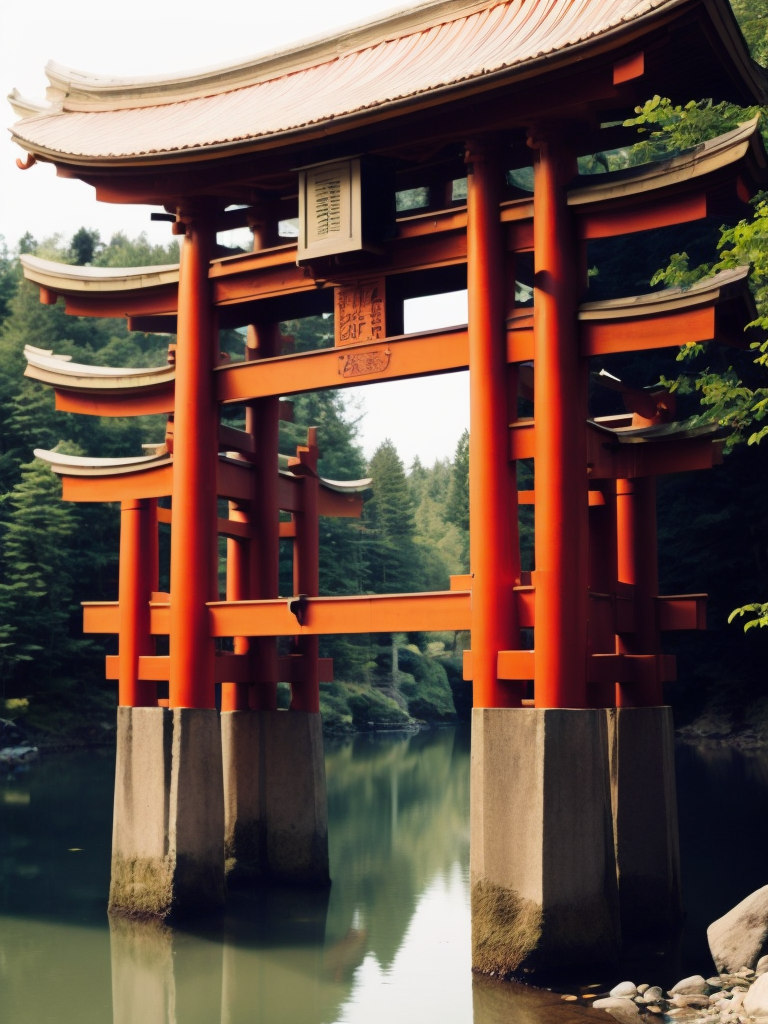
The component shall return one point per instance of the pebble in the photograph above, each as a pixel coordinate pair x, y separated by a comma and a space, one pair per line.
642, 988
625, 989
614, 1003
689, 986
653, 994
569, 999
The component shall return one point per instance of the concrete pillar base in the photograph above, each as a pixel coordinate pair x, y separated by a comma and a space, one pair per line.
276, 813
167, 853
642, 760
542, 868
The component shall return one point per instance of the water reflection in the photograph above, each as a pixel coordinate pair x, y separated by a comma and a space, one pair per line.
389, 940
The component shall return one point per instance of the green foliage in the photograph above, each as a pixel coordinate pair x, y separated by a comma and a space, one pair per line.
392, 556
55, 554
423, 682
457, 504
753, 19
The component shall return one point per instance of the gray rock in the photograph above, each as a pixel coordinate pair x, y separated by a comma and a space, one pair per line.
697, 1001
741, 936
624, 988
621, 1008
653, 994
756, 1000
694, 985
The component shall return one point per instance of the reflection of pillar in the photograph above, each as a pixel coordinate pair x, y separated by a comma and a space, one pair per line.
138, 578
289, 986
638, 565
494, 558
160, 976
560, 413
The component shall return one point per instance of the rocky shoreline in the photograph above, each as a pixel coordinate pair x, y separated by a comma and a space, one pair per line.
737, 994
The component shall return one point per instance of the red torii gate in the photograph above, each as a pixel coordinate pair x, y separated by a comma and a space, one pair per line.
594, 606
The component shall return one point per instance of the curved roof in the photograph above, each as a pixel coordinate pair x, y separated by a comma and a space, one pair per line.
724, 285
60, 371
439, 46
708, 157
86, 465
60, 277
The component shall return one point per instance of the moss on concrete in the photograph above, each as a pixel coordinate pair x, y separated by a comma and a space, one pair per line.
141, 887
506, 929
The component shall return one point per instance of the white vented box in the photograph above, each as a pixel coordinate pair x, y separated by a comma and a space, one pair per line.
330, 209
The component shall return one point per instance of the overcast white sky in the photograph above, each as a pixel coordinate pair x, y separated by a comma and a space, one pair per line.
143, 37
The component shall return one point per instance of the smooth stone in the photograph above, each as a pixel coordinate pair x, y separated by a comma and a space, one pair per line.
694, 985
569, 999
715, 982
762, 963
654, 1009
621, 1009
624, 988
756, 1000
652, 995
741, 936
698, 1001
642, 988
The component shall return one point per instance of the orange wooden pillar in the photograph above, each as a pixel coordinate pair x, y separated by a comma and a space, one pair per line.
194, 498
138, 578
305, 694
560, 412
601, 638
234, 696
637, 549
494, 558
262, 420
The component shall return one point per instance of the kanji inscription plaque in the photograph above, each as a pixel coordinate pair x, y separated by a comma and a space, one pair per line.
359, 311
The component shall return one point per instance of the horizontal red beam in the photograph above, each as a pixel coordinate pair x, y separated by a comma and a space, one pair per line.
228, 668
384, 613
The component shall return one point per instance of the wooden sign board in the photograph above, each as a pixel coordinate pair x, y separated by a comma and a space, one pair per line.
359, 311
330, 209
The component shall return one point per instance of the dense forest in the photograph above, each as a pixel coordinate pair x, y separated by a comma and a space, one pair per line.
414, 530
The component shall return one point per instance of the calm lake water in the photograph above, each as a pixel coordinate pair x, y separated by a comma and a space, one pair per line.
389, 941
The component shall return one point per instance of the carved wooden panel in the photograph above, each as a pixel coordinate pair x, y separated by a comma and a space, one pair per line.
359, 311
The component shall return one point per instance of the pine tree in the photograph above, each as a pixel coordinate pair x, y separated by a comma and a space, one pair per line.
394, 564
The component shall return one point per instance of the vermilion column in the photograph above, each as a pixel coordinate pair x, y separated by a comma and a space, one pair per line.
637, 549
305, 694
138, 578
193, 536
492, 506
234, 696
262, 420
560, 414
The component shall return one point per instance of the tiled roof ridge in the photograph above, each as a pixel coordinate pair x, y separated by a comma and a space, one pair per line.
73, 90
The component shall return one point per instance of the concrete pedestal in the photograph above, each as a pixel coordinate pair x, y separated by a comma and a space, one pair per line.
167, 851
542, 868
642, 760
276, 814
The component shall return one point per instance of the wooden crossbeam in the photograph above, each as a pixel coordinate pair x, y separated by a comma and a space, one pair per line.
228, 668
386, 613
601, 668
